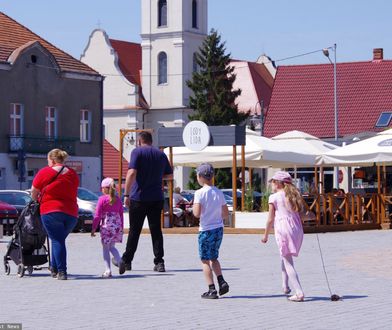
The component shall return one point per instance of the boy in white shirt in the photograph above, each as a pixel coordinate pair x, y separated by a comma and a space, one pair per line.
210, 206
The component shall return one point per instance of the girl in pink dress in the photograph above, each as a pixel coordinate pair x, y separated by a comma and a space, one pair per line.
109, 217
284, 207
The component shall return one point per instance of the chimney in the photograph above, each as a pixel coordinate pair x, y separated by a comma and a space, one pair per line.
378, 54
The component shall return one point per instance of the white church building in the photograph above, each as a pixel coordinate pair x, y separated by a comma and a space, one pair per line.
145, 83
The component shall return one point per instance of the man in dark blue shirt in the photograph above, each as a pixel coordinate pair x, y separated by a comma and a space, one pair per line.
143, 196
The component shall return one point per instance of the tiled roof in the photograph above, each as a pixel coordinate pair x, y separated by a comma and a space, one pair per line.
129, 59
110, 161
14, 35
255, 81
303, 98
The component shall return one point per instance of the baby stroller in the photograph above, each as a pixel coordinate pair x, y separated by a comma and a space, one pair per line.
27, 247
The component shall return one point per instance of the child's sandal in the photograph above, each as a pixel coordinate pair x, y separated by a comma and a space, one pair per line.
296, 298
107, 274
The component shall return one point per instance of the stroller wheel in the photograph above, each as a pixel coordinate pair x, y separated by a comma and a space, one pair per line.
7, 268
30, 269
21, 270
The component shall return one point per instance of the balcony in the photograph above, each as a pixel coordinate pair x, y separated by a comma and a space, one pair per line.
41, 144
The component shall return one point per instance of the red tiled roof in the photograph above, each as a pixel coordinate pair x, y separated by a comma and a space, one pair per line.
14, 35
303, 98
255, 81
129, 59
110, 161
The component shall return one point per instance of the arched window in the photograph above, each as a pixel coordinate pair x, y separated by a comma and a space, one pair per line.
194, 64
162, 68
194, 14
162, 13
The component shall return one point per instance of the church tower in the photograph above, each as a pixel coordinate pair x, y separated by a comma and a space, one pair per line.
172, 31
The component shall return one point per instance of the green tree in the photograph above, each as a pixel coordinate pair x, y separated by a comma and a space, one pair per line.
213, 99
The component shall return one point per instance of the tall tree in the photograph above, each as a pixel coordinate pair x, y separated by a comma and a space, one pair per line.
213, 97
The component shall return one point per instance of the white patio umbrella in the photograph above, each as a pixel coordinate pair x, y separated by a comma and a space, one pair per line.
259, 152
377, 149
304, 143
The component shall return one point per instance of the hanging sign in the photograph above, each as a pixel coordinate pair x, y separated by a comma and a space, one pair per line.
196, 135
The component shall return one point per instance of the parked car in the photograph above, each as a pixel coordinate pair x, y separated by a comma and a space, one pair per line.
8, 217
17, 198
87, 200
256, 197
189, 195
85, 216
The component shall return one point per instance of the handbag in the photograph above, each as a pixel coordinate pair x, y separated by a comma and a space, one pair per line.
32, 231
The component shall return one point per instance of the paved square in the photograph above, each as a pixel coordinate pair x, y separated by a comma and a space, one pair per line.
359, 265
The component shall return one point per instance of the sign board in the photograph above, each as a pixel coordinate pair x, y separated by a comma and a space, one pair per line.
196, 135
76, 165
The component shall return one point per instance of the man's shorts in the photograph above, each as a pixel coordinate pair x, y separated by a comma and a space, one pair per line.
209, 243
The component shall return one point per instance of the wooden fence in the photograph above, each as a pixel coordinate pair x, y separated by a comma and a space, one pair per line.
326, 212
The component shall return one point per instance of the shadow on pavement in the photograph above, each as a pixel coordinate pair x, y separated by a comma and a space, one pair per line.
196, 270
329, 299
307, 299
115, 276
255, 296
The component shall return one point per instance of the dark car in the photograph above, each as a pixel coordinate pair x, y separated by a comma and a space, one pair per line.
17, 198
85, 221
85, 216
8, 217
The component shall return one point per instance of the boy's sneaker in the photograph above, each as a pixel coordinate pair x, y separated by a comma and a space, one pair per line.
223, 288
159, 267
210, 294
62, 276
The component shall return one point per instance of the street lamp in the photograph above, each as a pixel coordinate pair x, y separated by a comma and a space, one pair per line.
255, 119
326, 53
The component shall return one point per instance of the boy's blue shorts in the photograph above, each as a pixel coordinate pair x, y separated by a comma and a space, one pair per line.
209, 243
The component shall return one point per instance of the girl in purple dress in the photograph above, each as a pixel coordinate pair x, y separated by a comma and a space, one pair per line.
285, 205
109, 217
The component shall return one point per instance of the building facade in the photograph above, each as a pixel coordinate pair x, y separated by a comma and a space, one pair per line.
48, 100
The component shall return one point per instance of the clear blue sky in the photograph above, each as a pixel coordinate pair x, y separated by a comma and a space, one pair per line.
279, 28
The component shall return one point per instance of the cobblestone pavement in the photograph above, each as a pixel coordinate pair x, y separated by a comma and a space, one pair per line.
359, 265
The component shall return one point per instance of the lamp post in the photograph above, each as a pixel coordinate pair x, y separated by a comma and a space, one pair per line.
261, 119
326, 53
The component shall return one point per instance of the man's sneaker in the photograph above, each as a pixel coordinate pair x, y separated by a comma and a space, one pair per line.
210, 294
62, 276
159, 267
128, 266
223, 288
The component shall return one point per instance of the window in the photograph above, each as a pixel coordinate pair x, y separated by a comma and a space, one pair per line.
384, 119
162, 68
85, 126
162, 13
195, 66
16, 119
50, 122
194, 14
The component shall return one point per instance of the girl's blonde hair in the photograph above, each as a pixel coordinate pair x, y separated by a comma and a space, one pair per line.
293, 197
58, 155
112, 193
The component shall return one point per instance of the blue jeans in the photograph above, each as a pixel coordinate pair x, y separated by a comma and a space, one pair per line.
58, 225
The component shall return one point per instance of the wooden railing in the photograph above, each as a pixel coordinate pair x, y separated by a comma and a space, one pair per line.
350, 210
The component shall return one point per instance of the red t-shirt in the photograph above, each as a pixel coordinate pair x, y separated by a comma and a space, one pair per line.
60, 195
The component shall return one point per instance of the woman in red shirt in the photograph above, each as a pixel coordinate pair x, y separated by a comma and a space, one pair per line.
58, 206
